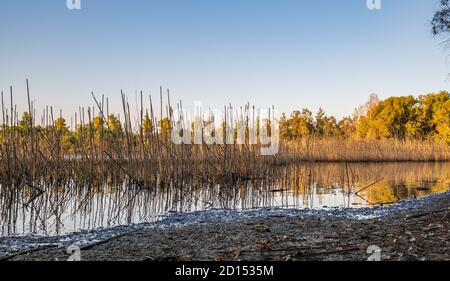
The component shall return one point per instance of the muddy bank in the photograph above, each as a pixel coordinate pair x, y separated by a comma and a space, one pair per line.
410, 230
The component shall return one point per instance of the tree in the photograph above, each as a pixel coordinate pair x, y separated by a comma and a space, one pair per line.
60, 125
325, 126
115, 126
347, 127
441, 20
425, 117
319, 125
97, 127
97, 123
442, 121
363, 115
284, 127
440, 117
330, 126
428, 105
300, 124
164, 126
25, 123
147, 126
68, 139
407, 117
391, 117
362, 110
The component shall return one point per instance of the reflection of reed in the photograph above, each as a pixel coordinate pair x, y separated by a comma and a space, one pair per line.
69, 205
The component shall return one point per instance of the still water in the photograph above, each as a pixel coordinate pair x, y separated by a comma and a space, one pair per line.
64, 209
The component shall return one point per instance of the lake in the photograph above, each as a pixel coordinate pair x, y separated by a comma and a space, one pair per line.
64, 208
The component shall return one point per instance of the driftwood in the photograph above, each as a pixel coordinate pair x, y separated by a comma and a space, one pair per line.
300, 254
83, 248
428, 213
91, 245
7, 257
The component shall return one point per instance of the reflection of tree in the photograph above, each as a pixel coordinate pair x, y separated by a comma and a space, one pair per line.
115, 199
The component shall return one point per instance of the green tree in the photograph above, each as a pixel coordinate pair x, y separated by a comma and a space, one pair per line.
319, 125
68, 139
25, 123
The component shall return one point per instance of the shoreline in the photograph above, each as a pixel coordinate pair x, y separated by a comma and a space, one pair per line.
418, 228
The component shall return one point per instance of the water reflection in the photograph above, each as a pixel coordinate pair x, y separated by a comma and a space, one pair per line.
50, 208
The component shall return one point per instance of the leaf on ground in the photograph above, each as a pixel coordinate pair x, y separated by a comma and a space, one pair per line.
261, 228
264, 245
237, 252
278, 238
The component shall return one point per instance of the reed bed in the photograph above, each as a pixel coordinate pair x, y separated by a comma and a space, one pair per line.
143, 152
97, 145
351, 150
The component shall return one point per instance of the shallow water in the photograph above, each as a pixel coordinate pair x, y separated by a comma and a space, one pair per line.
65, 209
13, 244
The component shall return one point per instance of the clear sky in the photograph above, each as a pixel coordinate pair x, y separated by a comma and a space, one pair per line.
292, 54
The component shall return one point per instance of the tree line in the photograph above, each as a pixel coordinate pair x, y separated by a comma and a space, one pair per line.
424, 117
405, 117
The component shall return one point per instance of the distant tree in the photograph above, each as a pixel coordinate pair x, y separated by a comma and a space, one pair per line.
425, 111
388, 119
363, 115
319, 124
301, 124
164, 127
284, 126
425, 117
68, 139
407, 117
147, 126
97, 123
392, 116
60, 125
115, 126
325, 126
98, 127
442, 121
362, 110
25, 123
331, 126
441, 117
347, 126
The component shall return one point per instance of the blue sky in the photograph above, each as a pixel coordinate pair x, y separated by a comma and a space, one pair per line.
292, 54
